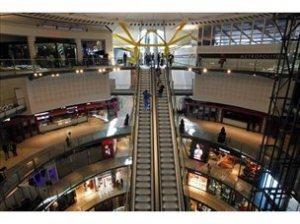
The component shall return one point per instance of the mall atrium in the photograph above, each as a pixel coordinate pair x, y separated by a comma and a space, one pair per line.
149, 112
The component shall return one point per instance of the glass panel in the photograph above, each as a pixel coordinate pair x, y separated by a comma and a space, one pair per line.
200, 36
236, 34
225, 38
246, 32
279, 29
269, 32
257, 32
207, 35
216, 35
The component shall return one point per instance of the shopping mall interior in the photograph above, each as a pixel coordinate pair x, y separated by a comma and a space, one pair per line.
149, 112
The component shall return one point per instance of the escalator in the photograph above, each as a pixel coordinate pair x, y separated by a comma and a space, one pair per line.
156, 180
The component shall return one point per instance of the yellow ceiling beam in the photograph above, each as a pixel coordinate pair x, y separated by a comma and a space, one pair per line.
124, 39
124, 27
181, 25
179, 39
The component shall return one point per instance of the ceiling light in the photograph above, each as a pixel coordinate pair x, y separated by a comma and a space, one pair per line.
228, 71
99, 70
77, 71
81, 71
190, 69
204, 70
190, 27
254, 74
35, 74
52, 75
57, 75
104, 70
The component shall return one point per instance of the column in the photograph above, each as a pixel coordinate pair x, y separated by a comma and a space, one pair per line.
31, 47
79, 50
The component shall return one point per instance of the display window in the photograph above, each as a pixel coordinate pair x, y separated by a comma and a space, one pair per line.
199, 151
225, 193
214, 187
108, 148
225, 159
197, 180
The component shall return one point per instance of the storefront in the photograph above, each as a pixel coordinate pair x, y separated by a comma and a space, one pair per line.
197, 180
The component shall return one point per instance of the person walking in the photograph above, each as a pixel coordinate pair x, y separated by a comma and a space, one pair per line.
126, 121
222, 136
68, 139
147, 96
6, 151
158, 60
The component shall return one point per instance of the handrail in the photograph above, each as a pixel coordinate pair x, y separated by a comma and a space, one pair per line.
154, 136
135, 140
175, 145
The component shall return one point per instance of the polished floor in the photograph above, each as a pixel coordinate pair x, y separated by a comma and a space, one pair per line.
39, 142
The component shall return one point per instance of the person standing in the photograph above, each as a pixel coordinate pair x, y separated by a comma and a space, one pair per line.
6, 151
181, 126
147, 96
126, 121
222, 136
14, 148
158, 60
68, 139
161, 90
125, 58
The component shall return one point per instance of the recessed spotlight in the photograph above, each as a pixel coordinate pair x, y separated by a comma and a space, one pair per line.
104, 70
99, 70
40, 74
228, 71
81, 71
204, 70
35, 74
57, 75
77, 71
114, 69
118, 69
190, 69
52, 75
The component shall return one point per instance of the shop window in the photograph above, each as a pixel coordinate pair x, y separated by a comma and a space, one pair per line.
246, 33
257, 33
225, 37
269, 32
207, 35
236, 34
216, 41
197, 180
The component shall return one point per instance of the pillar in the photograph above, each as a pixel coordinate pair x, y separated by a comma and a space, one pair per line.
79, 50
31, 47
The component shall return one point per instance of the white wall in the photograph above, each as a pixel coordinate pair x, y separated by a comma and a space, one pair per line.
182, 79
48, 93
122, 78
235, 89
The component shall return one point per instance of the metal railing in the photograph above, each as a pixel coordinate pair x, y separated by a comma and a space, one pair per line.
16, 174
11, 106
43, 64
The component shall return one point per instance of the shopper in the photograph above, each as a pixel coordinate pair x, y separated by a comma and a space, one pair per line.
147, 96
158, 60
125, 59
68, 139
222, 136
6, 151
14, 148
161, 90
126, 121
182, 126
